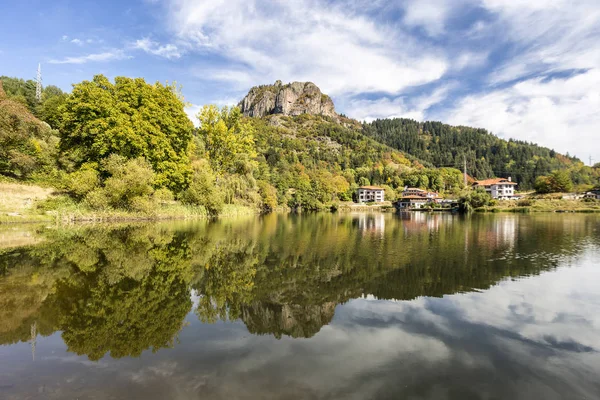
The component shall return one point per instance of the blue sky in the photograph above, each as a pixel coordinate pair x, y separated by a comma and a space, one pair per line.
524, 69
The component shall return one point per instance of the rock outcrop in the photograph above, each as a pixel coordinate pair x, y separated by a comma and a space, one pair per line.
287, 319
292, 99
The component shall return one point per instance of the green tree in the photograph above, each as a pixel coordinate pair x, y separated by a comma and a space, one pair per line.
49, 110
474, 199
130, 118
27, 145
560, 181
202, 189
226, 137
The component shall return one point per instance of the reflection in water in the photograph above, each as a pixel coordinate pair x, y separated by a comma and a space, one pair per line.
121, 290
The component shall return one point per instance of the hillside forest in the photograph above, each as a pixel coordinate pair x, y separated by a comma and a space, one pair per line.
129, 145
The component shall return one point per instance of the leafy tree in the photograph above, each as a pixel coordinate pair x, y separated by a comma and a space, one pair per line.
474, 199
27, 145
130, 118
558, 181
202, 189
49, 110
226, 137
268, 195
129, 185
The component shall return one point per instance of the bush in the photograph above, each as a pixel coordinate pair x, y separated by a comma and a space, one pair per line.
474, 199
268, 196
128, 187
202, 190
129, 179
80, 183
525, 202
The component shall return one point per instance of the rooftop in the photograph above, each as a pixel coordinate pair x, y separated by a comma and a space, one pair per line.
494, 181
415, 197
371, 187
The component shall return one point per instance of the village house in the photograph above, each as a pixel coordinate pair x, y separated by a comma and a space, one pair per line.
366, 194
498, 188
594, 194
414, 198
420, 192
413, 202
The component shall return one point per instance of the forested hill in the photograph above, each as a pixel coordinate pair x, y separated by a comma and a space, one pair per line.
487, 155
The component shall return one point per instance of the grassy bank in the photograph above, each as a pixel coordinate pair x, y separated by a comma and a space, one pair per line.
544, 204
21, 203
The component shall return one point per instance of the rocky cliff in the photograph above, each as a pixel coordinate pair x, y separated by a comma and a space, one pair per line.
292, 99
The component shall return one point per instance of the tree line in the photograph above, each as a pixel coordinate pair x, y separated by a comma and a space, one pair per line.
129, 145
487, 155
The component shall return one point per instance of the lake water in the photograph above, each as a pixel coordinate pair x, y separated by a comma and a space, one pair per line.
317, 306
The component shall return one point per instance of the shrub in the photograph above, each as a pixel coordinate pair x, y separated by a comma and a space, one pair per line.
80, 183
268, 196
525, 202
202, 190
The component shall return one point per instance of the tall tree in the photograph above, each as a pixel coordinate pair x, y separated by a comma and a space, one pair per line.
226, 136
130, 118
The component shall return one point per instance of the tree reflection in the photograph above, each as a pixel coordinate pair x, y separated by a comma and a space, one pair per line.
122, 290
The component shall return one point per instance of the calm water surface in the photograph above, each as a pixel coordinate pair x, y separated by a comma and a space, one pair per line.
321, 306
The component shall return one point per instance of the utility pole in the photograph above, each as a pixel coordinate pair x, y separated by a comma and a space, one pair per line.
38, 84
465, 169
591, 160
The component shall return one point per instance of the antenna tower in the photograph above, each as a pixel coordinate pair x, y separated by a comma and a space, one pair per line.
38, 84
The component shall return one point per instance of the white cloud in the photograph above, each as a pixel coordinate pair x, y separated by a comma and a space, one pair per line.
169, 50
76, 41
428, 14
558, 113
546, 36
339, 50
192, 111
97, 57
399, 107
470, 60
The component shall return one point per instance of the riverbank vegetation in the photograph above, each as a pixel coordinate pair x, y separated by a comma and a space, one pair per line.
126, 148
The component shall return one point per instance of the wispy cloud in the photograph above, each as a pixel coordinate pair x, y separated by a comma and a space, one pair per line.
169, 51
559, 113
414, 107
97, 57
341, 51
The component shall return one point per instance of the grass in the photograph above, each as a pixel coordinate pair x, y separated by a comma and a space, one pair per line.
20, 202
544, 204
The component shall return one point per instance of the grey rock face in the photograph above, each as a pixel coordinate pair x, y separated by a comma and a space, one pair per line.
292, 99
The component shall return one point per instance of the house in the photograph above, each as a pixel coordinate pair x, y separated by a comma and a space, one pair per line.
594, 194
498, 188
420, 192
366, 194
413, 202
573, 196
414, 198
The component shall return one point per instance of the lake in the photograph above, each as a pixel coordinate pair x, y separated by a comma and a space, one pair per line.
314, 306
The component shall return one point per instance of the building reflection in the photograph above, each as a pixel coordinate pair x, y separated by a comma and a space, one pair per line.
371, 223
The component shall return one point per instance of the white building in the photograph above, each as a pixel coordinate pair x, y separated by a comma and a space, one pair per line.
419, 192
498, 188
594, 194
366, 194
